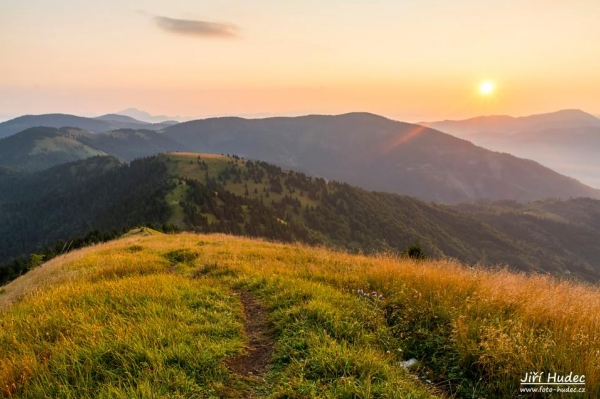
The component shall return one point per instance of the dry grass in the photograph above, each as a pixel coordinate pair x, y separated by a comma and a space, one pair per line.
464, 323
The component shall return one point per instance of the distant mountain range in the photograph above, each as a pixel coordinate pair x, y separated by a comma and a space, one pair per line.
149, 118
380, 154
566, 141
505, 124
362, 149
102, 124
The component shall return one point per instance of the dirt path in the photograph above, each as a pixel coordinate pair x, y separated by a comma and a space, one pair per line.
257, 357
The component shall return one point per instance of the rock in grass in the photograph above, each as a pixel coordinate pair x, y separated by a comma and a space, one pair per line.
410, 364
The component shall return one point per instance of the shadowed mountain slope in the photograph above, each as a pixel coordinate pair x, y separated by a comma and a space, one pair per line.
42, 147
380, 154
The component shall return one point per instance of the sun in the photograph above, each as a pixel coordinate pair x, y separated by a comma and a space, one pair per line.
487, 87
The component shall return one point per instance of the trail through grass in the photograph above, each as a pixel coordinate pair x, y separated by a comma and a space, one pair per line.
162, 316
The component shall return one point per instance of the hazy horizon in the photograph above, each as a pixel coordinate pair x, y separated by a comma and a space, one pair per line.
408, 61
4, 118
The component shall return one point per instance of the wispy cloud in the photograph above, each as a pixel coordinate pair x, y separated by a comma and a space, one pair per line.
189, 27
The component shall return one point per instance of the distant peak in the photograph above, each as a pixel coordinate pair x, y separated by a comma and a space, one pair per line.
118, 118
368, 115
144, 116
574, 112
128, 111
570, 112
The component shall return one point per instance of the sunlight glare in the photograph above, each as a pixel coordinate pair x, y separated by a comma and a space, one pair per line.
487, 87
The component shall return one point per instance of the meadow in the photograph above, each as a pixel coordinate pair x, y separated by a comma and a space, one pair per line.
155, 315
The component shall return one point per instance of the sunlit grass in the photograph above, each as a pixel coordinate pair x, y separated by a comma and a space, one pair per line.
476, 331
123, 336
184, 165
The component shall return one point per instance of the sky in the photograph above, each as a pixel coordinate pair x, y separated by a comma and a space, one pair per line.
409, 60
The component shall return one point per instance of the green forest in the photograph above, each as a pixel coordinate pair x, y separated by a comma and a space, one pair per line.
99, 198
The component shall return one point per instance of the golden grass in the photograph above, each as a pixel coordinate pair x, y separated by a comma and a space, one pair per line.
493, 324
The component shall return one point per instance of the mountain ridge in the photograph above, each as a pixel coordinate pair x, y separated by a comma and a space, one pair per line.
507, 124
119, 118
96, 125
363, 149
39, 148
565, 140
379, 154
149, 118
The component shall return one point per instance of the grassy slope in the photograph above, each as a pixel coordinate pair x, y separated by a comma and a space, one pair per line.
41, 148
74, 148
156, 315
180, 166
183, 164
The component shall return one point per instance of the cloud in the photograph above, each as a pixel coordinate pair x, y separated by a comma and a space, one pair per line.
188, 27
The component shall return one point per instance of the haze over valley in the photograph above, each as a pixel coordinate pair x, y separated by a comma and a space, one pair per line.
566, 141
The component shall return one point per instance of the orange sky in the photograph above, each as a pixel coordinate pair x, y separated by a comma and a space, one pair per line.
409, 60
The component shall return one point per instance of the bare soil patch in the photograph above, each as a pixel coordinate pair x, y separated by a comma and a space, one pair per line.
256, 359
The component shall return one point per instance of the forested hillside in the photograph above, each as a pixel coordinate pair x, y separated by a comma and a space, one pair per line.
130, 144
69, 200
317, 211
227, 194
